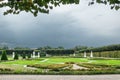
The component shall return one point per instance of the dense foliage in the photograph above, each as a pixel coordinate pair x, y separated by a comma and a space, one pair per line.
34, 6
59, 52
44, 6
18, 51
104, 48
24, 56
114, 4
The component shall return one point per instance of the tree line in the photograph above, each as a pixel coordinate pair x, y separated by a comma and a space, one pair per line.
114, 47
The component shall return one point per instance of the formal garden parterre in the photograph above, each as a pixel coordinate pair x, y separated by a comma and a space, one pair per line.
43, 63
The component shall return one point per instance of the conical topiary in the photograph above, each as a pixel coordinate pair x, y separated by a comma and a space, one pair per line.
24, 56
4, 56
28, 55
16, 56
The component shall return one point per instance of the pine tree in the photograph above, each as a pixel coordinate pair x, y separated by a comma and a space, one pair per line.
4, 56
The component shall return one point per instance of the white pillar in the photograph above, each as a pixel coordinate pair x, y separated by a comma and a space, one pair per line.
47, 55
91, 54
13, 54
38, 54
33, 54
85, 54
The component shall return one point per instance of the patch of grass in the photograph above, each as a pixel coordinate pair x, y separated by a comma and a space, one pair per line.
108, 62
22, 62
63, 60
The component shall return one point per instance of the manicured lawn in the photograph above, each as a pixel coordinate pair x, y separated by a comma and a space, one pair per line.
23, 62
41, 64
108, 62
63, 60
46, 61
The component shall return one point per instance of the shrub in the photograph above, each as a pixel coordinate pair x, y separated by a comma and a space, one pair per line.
16, 56
4, 56
28, 56
5, 69
24, 56
55, 67
69, 62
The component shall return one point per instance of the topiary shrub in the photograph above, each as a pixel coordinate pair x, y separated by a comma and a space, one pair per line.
24, 56
16, 56
28, 55
4, 56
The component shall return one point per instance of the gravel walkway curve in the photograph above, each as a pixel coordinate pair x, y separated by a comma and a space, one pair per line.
60, 77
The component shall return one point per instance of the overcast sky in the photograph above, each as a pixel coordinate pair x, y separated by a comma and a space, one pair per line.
67, 26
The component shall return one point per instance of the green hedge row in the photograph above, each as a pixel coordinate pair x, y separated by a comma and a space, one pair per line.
107, 54
59, 52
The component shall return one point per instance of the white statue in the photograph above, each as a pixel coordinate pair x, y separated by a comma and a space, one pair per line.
91, 54
38, 54
13, 54
85, 54
33, 54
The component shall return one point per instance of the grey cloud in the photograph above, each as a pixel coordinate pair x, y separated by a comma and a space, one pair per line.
67, 27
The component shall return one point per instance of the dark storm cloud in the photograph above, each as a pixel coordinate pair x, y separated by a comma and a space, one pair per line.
64, 26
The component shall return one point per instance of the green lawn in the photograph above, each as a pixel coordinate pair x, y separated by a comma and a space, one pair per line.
108, 62
18, 65
62, 60
23, 62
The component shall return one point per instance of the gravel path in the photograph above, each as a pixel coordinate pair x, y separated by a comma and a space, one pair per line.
60, 77
75, 67
44, 60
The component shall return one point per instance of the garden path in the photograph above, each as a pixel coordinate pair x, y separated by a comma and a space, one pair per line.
75, 67
44, 60
60, 77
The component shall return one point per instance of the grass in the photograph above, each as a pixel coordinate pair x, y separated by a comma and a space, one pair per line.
47, 61
22, 62
18, 66
108, 62
63, 60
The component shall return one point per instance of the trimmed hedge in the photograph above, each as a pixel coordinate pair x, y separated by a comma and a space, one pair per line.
59, 52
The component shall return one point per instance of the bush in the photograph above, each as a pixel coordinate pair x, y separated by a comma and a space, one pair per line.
5, 69
54, 67
4, 56
16, 56
28, 55
24, 56
69, 62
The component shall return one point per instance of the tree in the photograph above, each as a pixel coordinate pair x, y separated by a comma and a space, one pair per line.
16, 57
60, 47
34, 6
114, 4
22, 48
80, 47
44, 6
4, 55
